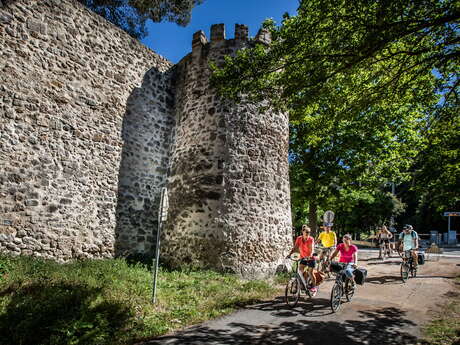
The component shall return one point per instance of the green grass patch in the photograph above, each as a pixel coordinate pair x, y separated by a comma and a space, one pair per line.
110, 301
445, 328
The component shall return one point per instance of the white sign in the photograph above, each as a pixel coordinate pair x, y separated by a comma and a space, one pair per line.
164, 205
451, 214
328, 217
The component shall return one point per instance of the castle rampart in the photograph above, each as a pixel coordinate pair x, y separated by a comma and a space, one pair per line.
93, 124
228, 188
86, 114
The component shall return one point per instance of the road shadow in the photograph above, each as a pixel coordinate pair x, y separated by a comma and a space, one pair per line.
385, 326
396, 279
385, 263
389, 280
314, 307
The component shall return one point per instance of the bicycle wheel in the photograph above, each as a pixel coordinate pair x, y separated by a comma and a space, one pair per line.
292, 292
404, 272
307, 291
336, 297
327, 268
349, 289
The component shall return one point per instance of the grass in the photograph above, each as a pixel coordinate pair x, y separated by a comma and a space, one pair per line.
109, 301
445, 328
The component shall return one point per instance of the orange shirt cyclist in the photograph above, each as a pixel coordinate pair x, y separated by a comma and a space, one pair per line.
305, 244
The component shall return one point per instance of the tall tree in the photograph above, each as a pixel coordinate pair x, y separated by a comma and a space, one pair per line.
131, 15
360, 79
373, 49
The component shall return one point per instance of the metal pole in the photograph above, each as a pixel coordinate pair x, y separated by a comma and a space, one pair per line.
448, 222
157, 247
157, 257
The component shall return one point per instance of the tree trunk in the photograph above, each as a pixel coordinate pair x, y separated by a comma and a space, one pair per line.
312, 218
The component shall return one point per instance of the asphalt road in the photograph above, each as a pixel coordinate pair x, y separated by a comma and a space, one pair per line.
384, 311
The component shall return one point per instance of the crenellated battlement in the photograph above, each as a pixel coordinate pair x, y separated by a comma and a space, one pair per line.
201, 45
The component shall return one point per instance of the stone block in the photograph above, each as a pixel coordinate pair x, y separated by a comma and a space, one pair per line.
33, 25
31, 202
217, 32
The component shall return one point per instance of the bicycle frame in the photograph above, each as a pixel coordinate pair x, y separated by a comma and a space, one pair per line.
341, 287
295, 285
407, 265
325, 259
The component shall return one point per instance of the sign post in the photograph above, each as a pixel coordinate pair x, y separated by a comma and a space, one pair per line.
450, 214
328, 218
162, 216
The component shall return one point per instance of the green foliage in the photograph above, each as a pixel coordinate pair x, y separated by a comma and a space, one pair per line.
437, 168
109, 301
351, 55
131, 15
359, 211
367, 85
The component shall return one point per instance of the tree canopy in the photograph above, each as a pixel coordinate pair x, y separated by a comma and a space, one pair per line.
373, 49
369, 86
131, 15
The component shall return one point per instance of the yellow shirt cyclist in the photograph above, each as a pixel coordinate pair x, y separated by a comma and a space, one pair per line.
328, 238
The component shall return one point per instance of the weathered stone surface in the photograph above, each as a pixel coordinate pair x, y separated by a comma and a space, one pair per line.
72, 138
93, 125
229, 189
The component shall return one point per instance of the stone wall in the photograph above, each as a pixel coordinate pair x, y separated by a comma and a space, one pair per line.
93, 125
86, 116
228, 190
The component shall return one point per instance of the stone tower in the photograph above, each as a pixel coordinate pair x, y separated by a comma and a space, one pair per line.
229, 177
93, 124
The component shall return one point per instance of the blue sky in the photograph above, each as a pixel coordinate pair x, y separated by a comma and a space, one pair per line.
174, 42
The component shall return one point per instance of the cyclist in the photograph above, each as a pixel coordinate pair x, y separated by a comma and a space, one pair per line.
328, 240
306, 244
348, 255
384, 236
408, 242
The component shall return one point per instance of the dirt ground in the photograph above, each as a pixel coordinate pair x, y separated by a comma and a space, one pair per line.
385, 311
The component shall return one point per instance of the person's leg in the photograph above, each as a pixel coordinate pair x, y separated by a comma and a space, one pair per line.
380, 250
349, 271
312, 276
302, 271
415, 257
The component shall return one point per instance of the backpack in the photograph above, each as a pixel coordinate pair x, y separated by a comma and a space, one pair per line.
412, 233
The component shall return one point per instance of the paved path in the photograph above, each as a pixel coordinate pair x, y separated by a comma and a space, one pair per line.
383, 312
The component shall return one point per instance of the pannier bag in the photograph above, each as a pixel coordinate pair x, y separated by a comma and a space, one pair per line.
319, 276
360, 275
336, 267
421, 258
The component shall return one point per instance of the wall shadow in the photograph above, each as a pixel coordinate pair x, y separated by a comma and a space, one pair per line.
60, 313
146, 134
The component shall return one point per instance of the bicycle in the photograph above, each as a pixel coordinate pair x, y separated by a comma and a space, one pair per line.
296, 284
407, 265
325, 261
385, 250
342, 286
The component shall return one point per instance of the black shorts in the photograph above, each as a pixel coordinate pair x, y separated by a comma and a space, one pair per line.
386, 241
308, 262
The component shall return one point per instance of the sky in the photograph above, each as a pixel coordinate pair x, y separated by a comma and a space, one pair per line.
174, 42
